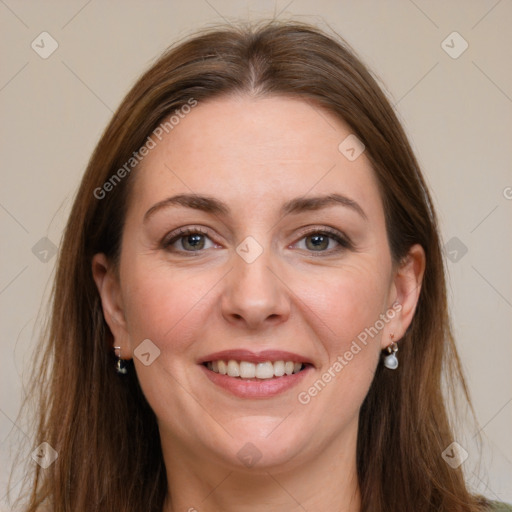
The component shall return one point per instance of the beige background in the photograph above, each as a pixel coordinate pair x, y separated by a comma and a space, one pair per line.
458, 113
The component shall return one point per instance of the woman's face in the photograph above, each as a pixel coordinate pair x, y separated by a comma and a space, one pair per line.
269, 272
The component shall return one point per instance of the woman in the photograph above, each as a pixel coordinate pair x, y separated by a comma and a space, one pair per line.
250, 308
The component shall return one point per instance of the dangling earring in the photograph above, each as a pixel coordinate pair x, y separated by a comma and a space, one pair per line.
391, 361
121, 364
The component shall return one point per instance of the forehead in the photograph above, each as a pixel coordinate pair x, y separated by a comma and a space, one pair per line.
249, 150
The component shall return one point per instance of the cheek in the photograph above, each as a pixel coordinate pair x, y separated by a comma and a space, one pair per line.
349, 302
347, 313
169, 308
347, 308
160, 303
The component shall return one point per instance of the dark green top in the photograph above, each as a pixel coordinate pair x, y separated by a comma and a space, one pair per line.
501, 507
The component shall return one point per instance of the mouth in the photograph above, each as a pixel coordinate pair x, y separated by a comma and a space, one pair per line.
256, 371
249, 375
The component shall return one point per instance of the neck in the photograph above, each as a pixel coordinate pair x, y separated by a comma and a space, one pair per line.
329, 482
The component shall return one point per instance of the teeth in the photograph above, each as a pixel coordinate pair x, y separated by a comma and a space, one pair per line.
265, 370
279, 368
223, 367
247, 370
233, 368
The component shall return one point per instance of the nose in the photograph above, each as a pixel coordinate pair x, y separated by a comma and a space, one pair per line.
255, 296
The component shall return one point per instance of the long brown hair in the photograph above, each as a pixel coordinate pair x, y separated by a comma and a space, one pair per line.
101, 425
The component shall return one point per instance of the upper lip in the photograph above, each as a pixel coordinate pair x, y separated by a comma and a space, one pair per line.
255, 357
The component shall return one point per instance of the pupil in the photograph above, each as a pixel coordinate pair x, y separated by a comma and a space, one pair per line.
319, 241
194, 241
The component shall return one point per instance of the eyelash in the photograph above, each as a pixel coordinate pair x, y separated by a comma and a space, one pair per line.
343, 241
182, 233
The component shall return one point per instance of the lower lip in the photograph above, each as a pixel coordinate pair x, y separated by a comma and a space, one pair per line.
264, 388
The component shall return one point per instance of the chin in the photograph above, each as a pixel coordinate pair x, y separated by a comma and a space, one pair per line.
263, 444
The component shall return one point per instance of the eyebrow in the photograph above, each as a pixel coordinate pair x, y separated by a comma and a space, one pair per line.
294, 206
303, 204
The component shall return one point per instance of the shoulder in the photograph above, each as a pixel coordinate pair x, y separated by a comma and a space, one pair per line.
497, 506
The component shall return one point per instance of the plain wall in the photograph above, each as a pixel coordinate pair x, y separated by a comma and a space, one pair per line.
456, 111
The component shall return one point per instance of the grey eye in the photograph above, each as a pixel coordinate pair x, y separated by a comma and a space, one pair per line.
317, 242
193, 242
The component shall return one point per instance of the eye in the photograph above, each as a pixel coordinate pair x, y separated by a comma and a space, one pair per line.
324, 240
188, 240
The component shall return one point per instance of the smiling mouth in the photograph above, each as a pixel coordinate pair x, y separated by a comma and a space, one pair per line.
259, 371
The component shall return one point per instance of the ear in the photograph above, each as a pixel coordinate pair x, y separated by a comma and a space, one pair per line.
405, 292
109, 288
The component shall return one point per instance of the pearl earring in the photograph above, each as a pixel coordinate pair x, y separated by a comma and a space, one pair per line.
391, 361
120, 363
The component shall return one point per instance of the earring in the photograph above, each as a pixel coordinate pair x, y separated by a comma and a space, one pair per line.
121, 364
391, 361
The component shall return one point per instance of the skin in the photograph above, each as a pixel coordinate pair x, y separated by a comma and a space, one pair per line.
254, 154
